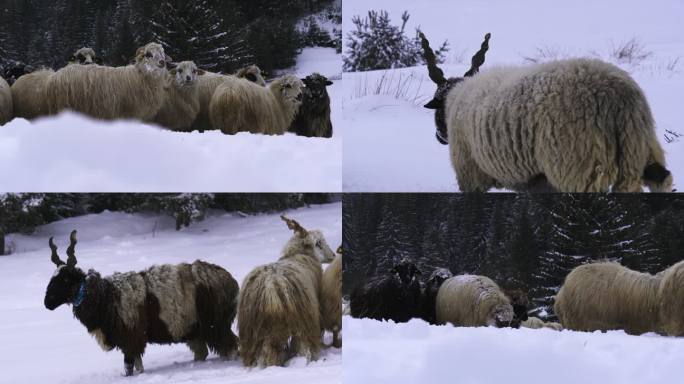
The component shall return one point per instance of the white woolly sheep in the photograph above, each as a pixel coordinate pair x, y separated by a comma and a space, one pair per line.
185, 303
536, 323
331, 300
473, 301
28, 94
6, 108
239, 105
181, 104
606, 295
206, 86
578, 125
85, 56
279, 310
131, 92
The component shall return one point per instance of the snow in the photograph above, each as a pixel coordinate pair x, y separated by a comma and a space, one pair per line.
40, 346
73, 153
390, 137
413, 352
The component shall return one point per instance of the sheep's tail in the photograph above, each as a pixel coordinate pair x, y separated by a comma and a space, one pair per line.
640, 158
656, 176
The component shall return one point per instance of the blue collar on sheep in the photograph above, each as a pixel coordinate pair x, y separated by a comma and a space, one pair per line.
80, 296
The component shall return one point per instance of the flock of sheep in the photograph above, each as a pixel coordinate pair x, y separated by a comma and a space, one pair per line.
184, 98
576, 125
283, 308
597, 296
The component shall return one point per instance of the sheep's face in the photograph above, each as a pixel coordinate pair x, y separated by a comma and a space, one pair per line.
253, 74
519, 302
291, 90
438, 103
406, 271
437, 278
85, 56
315, 85
64, 286
185, 74
321, 248
151, 58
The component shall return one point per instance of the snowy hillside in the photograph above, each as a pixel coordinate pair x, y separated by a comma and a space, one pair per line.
39, 346
385, 352
390, 138
73, 153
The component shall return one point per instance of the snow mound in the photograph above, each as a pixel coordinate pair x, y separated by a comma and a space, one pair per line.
414, 352
71, 152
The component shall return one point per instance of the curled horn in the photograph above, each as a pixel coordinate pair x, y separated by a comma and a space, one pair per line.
436, 74
293, 225
479, 57
71, 258
55, 258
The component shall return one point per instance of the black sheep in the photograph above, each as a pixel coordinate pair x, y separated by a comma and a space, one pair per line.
185, 303
430, 294
313, 117
392, 296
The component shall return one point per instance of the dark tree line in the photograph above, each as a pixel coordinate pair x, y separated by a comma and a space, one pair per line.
220, 35
24, 212
521, 241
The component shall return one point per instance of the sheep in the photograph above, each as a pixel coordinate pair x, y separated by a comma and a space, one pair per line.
278, 311
313, 117
13, 70
132, 92
331, 300
583, 125
251, 73
239, 105
6, 109
429, 295
536, 323
28, 94
184, 303
391, 296
207, 85
472, 301
606, 295
85, 56
181, 104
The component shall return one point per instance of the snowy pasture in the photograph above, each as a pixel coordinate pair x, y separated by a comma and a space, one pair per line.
390, 140
40, 346
74, 153
385, 352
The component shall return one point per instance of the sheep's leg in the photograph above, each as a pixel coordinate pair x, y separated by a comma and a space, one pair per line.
272, 353
139, 365
337, 341
129, 361
199, 348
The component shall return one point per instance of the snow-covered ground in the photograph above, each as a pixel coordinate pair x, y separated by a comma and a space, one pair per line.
71, 152
390, 140
40, 346
416, 352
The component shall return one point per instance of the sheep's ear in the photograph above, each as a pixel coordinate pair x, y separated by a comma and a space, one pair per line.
168, 58
54, 257
173, 71
294, 225
432, 104
328, 82
339, 249
98, 60
71, 257
72, 59
201, 72
139, 53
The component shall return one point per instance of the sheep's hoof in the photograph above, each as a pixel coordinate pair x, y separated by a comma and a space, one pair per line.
129, 370
337, 344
